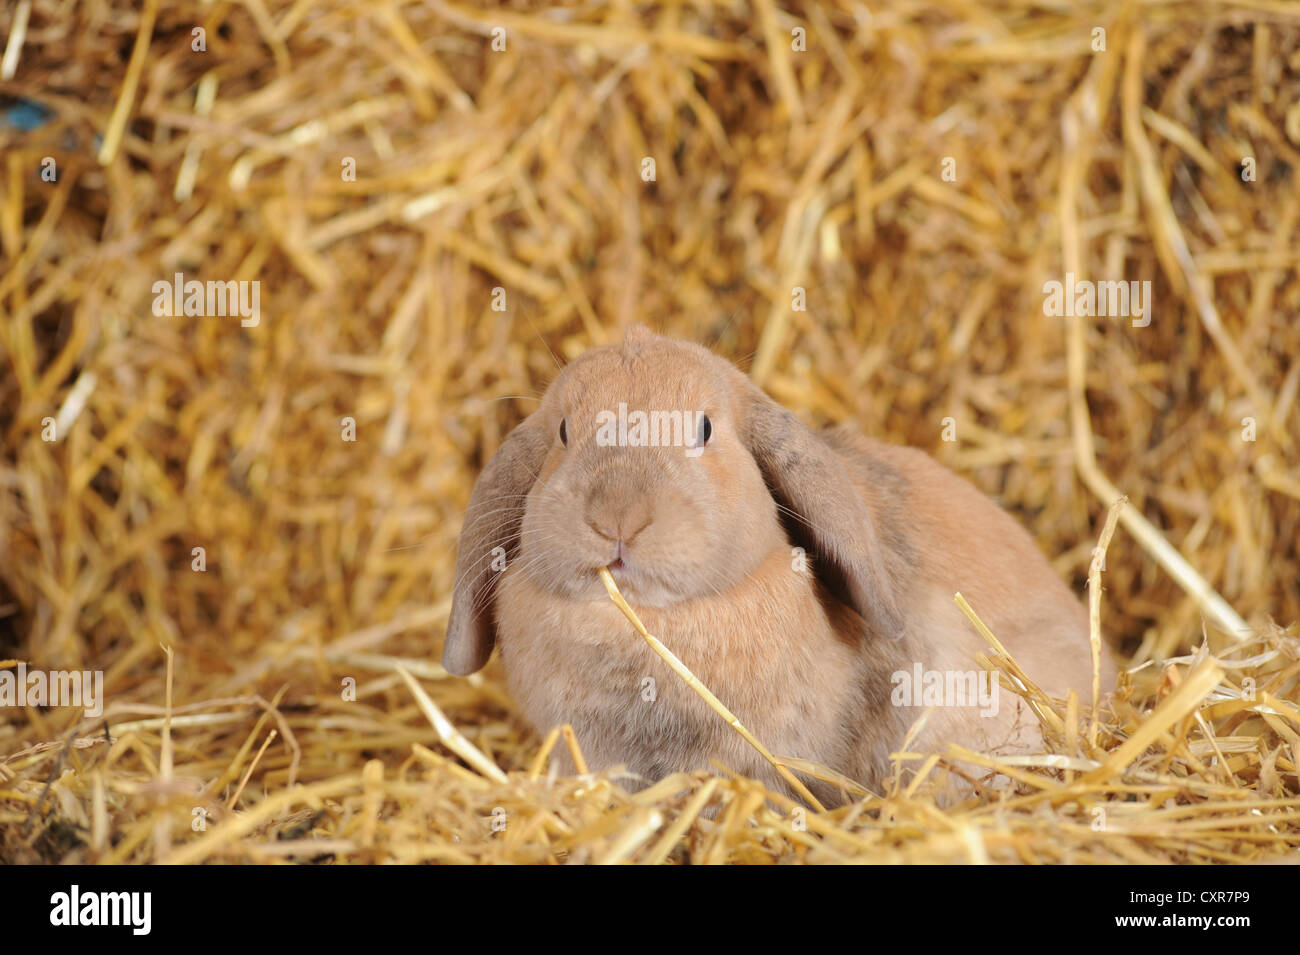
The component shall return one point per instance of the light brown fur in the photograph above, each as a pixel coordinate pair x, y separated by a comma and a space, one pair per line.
710, 564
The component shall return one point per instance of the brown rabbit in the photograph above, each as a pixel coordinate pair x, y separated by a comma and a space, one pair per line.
806, 579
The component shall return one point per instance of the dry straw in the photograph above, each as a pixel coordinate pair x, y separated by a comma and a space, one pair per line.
393, 173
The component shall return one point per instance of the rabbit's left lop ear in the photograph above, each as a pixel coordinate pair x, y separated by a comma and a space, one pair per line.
494, 519
806, 475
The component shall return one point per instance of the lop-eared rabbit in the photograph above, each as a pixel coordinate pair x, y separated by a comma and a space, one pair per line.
806, 578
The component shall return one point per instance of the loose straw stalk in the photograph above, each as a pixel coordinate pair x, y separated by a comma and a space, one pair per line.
694, 683
448, 734
1085, 456
1094, 610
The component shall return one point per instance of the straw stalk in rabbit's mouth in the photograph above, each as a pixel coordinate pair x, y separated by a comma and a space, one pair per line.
622, 565
626, 571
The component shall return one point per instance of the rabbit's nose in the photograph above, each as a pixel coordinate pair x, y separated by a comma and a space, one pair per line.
619, 524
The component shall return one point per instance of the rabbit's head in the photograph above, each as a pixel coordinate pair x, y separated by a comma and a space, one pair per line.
661, 461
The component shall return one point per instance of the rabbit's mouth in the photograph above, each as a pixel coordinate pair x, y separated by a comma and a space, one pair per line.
623, 570
628, 574
635, 582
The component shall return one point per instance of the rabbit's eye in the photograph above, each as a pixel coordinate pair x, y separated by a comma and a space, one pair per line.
564, 435
706, 429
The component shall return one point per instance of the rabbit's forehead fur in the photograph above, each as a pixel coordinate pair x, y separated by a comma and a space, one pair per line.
645, 373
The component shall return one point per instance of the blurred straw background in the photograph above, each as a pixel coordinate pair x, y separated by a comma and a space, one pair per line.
435, 200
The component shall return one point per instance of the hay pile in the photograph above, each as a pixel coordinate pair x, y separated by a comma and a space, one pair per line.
919, 170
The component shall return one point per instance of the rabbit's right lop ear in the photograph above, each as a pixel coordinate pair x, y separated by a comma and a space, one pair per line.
808, 478
488, 539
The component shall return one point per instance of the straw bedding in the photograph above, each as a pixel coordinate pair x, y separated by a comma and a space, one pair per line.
919, 170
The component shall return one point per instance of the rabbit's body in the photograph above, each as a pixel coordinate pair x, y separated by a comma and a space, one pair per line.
805, 579
798, 685
956, 540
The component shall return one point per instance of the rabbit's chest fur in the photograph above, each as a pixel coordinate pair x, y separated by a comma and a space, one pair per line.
771, 653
